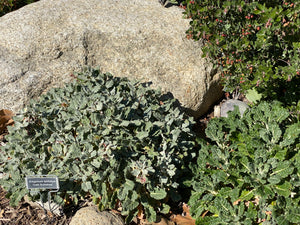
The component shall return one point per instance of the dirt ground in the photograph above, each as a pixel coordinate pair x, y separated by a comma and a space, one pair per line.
27, 214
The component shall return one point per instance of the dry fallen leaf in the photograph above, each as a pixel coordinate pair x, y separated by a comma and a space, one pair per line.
140, 214
1, 213
6, 112
5, 119
185, 218
269, 213
237, 202
204, 214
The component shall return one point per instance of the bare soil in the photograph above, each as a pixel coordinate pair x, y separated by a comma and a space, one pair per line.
27, 214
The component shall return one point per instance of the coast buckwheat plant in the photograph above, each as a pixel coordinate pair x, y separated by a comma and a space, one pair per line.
109, 137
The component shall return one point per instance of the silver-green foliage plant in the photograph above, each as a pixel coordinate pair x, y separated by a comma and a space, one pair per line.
249, 171
109, 137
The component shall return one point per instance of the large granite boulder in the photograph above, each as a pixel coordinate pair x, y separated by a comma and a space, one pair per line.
43, 43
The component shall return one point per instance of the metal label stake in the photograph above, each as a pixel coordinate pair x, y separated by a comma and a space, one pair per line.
37, 183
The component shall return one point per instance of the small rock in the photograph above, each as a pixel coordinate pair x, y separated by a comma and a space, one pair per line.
92, 216
217, 111
229, 106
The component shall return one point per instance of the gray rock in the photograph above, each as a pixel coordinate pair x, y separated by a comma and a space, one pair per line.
229, 106
91, 216
42, 43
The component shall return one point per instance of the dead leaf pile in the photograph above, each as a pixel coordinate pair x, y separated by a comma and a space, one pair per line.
185, 218
5, 120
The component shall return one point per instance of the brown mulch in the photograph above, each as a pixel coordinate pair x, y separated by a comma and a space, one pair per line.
24, 213
29, 214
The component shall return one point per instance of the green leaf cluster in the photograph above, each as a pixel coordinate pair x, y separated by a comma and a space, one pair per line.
255, 44
249, 170
116, 139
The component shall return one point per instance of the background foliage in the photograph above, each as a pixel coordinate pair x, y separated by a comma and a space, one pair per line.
249, 170
7, 6
256, 44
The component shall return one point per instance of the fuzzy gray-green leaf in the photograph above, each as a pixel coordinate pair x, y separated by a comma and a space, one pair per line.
158, 193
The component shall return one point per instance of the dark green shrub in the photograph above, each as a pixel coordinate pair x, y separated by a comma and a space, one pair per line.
114, 139
249, 172
254, 43
7, 6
